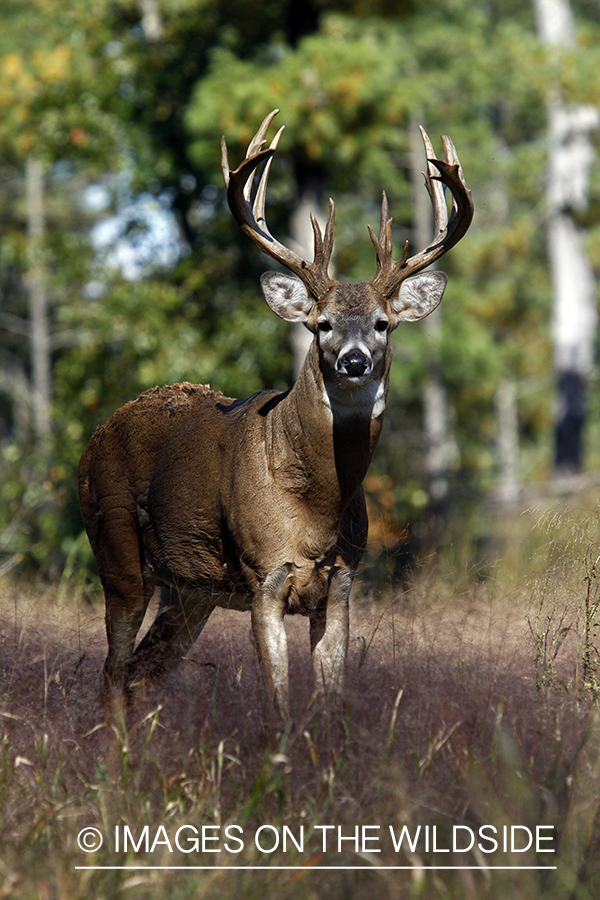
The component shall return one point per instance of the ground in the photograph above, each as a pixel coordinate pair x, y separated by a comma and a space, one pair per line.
471, 717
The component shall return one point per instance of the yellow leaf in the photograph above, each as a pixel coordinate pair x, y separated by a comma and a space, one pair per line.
12, 64
52, 65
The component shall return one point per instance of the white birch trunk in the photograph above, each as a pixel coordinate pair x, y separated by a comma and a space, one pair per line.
507, 443
41, 366
574, 315
508, 486
151, 22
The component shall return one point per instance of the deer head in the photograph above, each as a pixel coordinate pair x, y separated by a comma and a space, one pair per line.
351, 321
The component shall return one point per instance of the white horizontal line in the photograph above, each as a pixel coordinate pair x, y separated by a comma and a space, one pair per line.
312, 868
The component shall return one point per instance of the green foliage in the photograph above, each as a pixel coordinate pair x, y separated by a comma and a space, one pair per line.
86, 90
59, 90
351, 93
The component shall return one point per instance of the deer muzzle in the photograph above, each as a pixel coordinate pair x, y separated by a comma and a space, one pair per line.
354, 364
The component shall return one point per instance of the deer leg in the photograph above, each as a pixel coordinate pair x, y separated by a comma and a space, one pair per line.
125, 609
179, 621
268, 609
329, 628
127, 592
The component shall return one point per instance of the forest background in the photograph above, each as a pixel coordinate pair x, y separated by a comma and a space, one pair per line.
121, 266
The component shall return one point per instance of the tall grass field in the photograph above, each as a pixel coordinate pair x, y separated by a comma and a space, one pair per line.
465, 761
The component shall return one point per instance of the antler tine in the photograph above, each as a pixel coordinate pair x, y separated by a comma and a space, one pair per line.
251, 219
385, 227
450, 150
434, 186
385, 221
258, 140
259, 201
318, 237
451, 157
447, 230
256, 145
224, 162
323, 246
383, 243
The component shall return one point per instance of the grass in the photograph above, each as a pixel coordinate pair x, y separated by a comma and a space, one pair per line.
471, 702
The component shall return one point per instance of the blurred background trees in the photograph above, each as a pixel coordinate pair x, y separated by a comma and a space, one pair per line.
121, 267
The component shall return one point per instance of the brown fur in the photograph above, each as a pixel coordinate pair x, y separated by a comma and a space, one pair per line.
259, 502
190, 489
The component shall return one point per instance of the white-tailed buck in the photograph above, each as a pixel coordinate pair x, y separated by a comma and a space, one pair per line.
258, 503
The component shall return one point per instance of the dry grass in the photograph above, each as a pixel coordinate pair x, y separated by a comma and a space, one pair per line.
466, 705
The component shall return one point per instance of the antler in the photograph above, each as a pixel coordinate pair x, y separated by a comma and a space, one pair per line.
447, 231
251, 218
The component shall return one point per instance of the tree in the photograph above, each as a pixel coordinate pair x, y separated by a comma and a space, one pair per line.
133, 97
575, 315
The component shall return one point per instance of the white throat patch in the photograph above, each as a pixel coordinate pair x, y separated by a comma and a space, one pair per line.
363, 400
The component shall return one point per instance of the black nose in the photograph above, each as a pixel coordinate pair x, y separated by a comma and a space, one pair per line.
355, 364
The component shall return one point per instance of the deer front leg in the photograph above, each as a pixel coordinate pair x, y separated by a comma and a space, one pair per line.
329, 627
268, 609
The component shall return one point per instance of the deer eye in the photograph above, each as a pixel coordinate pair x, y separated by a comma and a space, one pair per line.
381, 325
324, 327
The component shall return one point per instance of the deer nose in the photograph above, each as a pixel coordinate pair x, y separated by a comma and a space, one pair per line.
354, 364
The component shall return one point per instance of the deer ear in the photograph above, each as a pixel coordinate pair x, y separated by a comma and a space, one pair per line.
287, 296
418, 296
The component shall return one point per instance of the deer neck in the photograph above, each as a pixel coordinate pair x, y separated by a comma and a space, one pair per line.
326, 435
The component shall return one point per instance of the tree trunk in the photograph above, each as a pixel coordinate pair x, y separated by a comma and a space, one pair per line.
15, 385
508, 486
574, 316
41, 367
151, 21
507, 443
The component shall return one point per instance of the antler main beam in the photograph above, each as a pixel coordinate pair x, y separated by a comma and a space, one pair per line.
447, 230
251, 216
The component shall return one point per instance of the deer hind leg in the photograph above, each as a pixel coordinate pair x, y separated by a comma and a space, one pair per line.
329, 627
127, 593
179, 621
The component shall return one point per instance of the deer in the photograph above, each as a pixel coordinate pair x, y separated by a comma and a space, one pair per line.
258, 503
